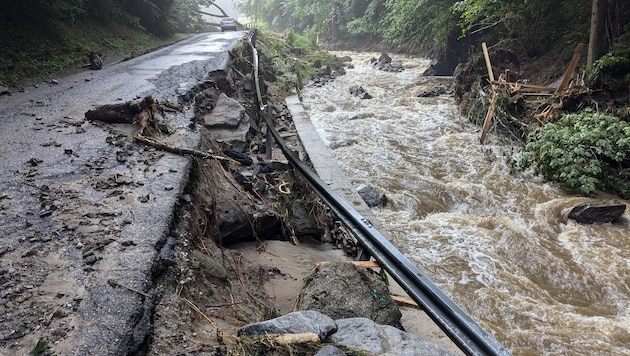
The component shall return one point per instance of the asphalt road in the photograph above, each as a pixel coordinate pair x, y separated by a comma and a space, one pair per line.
85, 212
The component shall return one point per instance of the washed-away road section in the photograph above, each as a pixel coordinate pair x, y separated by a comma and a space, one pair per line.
85, 213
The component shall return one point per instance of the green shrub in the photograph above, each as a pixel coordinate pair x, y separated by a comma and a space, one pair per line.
303, 42
588, 152
610, 73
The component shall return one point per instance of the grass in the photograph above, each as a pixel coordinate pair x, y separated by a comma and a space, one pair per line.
32, 54
295, 65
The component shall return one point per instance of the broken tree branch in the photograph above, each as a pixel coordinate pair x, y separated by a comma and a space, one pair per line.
571, 69
177, 150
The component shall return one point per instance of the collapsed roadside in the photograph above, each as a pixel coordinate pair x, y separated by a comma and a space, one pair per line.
249, 231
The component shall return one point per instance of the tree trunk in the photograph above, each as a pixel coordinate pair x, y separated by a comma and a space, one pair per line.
597, 40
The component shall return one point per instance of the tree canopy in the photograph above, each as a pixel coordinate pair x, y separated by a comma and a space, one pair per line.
160, 17
415, 25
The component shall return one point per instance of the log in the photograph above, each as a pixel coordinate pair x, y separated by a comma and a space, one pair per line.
293, 339
488, 120
597, 213
124, 113
113, 114
487, 58
571, 68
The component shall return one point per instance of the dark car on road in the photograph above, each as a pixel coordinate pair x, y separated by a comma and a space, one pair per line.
228, 24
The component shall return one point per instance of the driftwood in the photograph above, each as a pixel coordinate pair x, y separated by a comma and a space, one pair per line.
125, 113
294, 339
517, 90
141, 113
96, 62
177, 150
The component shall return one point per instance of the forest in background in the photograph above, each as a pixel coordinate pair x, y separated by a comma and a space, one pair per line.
533, 27
576, 133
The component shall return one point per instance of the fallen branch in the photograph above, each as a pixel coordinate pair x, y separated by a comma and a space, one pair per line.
177, 150
488, 120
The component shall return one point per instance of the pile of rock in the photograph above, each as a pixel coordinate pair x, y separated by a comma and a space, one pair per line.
385, 63
338, 336
344, 307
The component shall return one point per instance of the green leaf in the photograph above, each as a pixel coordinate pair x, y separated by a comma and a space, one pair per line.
39, 349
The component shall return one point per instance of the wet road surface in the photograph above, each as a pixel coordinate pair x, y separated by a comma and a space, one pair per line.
85, 212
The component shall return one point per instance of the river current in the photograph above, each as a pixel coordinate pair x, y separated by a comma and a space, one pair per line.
497, 243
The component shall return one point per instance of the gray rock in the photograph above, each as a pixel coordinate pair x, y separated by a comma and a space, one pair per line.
330, 350
227, 113
306, 321
229, 123
370, 196
359, 92
211, 266
364, 334
343, 290
597, 212
304, 225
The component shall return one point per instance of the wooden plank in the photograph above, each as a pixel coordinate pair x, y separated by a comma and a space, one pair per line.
571, 68
364, 264
515, 98
487, 58
537, 94
404, 300
488, 120
531, 87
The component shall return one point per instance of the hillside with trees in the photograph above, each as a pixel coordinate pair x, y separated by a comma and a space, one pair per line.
41, 38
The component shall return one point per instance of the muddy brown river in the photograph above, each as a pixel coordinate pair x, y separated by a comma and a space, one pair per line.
496, 243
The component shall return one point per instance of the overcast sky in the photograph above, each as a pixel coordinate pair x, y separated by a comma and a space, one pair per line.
226, 5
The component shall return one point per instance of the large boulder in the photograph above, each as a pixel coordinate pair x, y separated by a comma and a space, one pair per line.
227, 214
306, 321
597, 212
365, 335
343, 290
370, 195
228, 122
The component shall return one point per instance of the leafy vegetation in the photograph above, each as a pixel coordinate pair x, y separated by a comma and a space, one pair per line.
611, 72
294, 59
587, 152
